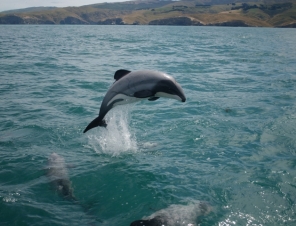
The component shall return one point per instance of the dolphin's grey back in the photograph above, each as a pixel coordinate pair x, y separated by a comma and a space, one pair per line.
56, 167
176, 215
142, 80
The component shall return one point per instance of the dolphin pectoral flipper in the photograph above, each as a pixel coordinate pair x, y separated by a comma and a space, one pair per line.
153, 98
143, 94
120, 73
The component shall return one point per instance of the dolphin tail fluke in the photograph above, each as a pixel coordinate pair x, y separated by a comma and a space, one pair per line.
96, 122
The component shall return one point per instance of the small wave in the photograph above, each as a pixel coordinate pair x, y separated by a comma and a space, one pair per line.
149, 145
117, 137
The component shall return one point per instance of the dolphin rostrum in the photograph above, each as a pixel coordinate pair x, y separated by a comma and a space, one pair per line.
176, 215
58, 176
134, 86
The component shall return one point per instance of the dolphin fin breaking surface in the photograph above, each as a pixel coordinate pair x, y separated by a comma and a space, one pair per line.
120, 73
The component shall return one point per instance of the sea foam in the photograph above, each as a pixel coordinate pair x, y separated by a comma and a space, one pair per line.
117, 137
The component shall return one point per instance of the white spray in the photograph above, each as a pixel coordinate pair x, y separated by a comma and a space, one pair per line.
117, 137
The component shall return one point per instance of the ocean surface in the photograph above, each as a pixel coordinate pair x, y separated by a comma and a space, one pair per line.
231, 145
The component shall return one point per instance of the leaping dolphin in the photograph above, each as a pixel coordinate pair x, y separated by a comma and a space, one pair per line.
135, 86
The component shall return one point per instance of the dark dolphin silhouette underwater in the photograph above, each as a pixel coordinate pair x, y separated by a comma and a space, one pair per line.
134, 86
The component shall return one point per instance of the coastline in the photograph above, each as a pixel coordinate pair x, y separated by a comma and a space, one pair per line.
180, 13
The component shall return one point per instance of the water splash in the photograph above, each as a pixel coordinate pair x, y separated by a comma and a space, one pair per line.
117, 137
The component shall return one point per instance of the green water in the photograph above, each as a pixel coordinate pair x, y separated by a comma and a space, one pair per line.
231, 144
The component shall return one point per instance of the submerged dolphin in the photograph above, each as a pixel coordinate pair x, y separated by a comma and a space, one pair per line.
176, 215
135, 86
58, 176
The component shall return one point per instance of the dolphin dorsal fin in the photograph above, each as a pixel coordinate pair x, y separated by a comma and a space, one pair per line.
120, 73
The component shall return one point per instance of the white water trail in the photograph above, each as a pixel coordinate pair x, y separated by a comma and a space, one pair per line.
117, 137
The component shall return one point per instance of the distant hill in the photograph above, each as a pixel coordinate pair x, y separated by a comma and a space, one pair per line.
263, 13
28, 10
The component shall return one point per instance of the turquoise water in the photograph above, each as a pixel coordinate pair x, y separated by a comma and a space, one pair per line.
232, 144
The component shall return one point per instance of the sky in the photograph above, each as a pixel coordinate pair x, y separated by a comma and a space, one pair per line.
20, 4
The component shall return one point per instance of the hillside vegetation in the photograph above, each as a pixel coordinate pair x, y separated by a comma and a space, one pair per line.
273, 13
